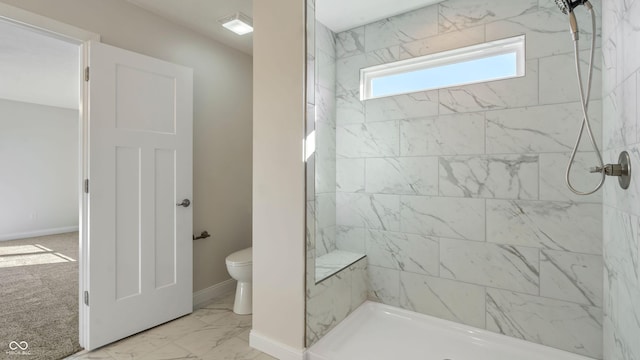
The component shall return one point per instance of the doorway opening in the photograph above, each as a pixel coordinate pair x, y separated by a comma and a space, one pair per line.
41, 150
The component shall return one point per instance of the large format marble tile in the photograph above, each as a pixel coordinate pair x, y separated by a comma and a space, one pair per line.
384, 285
558, 81
350, 42
407, 27
620, 109
406, 252
351, 239
410, 175
571, 277
553, 186
446, 299
349, 108
350, 175
408, 106
378, 139
348, 73
506, 176
621, 285
501, 266
459, 14
547, 31
559, 324
442, 42
328, 303
630, 33
459, 134
493, 95
371, 211
443, 217
540, 129
548, 225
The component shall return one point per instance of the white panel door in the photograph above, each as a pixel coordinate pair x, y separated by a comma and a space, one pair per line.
140, 168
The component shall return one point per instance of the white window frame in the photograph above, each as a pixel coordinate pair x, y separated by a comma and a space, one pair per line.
475, 52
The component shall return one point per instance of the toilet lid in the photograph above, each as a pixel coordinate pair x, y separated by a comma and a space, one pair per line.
242, 257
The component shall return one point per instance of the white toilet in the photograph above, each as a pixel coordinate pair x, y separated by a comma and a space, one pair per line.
239, 266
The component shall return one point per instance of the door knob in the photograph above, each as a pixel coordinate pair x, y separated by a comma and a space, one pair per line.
184, 203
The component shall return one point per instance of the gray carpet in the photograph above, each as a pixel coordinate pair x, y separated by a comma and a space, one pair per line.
39, 302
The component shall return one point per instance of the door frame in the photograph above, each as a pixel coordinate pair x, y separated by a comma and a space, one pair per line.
80, 37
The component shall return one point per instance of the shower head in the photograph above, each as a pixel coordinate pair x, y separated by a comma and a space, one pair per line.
565, 6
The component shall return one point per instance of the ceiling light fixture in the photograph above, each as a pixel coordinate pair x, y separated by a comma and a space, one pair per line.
239, 23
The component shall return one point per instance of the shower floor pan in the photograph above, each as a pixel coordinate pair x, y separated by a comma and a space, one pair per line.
381, 332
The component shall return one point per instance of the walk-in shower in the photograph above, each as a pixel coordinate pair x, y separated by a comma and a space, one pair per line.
452, 202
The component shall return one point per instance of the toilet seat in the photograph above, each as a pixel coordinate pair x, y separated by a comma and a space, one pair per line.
240, 258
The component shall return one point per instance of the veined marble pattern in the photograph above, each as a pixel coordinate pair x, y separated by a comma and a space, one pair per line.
415, 105
546, 31
331, 300
447, 299
350, 175
377, 139
211, 332
493, 95
406, 252
558, 82
501, 266
460, 14
456, 134
373, 211
624, 115
576, 328
552, 177
571, 277
542, 224
456, 218
351, 239
350, 42
621, 285
384, 285
403, 28
333, 262
540, 129
349, 108
442, 42
413, 176
510, 177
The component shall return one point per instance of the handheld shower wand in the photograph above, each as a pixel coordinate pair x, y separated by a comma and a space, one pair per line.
567, 7
623, 169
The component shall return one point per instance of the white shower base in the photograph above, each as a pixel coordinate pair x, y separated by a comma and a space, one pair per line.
381, 332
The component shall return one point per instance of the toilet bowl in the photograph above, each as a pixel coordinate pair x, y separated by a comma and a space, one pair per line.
239, 266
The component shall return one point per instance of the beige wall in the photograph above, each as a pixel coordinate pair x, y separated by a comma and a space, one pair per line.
278, 184
222, 116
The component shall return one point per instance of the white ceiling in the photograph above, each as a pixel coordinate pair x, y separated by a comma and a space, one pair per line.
202, 16
38, 69
341, 15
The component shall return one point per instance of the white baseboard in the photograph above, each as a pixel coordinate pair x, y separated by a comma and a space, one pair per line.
274, 348
36, 233
202, 296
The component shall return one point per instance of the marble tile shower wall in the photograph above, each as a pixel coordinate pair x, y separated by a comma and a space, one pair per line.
457, 195
621, 89
325, 127
328, 302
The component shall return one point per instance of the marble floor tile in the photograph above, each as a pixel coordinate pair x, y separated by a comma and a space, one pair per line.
211, 332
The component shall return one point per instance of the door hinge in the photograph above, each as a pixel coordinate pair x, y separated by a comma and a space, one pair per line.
86, 74
86, 186
86, 298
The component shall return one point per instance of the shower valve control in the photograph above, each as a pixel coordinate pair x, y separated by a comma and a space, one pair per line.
622, 170
611, 170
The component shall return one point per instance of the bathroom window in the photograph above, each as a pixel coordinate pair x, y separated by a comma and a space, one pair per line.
495, 60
